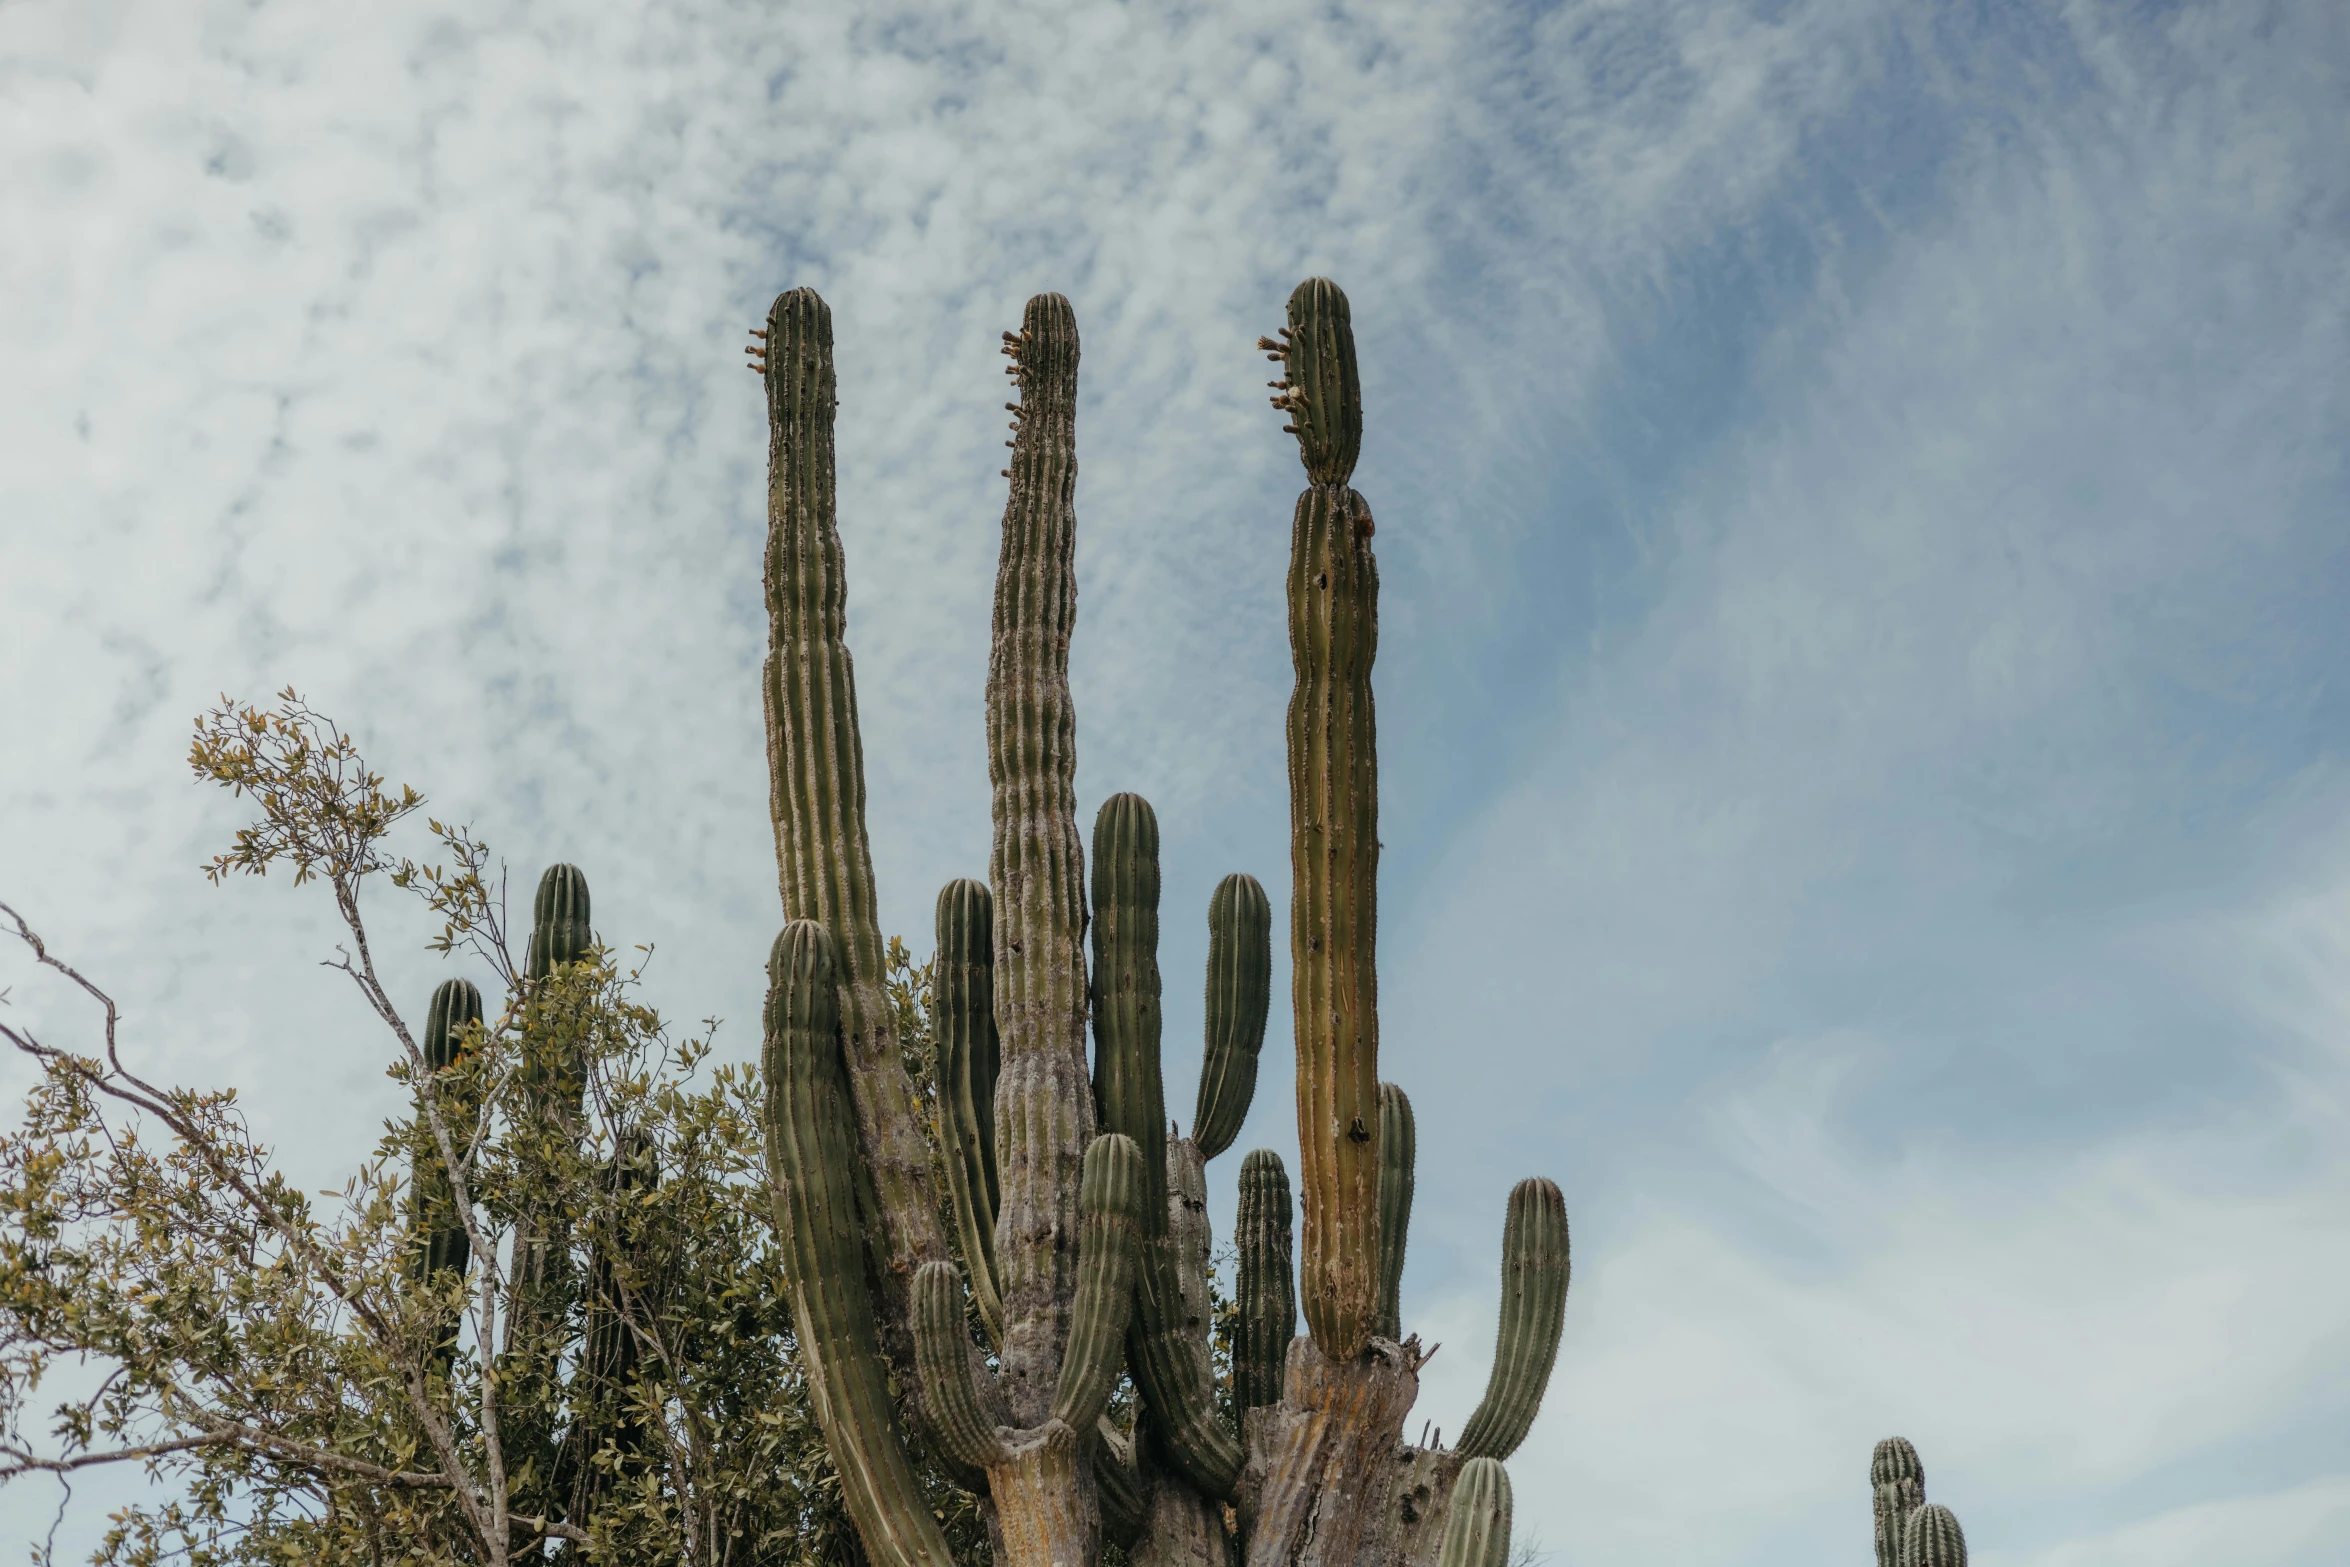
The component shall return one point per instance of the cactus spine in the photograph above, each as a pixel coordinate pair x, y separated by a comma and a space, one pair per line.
963, 1026
1534, 1273
1399, 1145
1477, 1525
1240, 994
816, 772
1932, 1538
1267, 1301
1334, 832
812, 1157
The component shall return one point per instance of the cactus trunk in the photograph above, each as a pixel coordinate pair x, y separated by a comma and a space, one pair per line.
1334, 862
1044, 1104
816, 772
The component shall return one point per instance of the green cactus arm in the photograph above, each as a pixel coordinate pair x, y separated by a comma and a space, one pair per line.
559, 930
942, 1354
1897, 1488
1477, 1524
1399, 1143
812, 1154
1932, 1538
1333, 913
443, 1246
1109, 1208
1320, 389
963, 1021
1117, 1477
1129, 1094
1240, 994
1263, 1285
816, 774
1044, 1109
1535, 1268
601, 1391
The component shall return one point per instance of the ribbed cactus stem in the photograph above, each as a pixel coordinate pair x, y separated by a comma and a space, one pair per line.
559, 930
1333, 912
603, 1408
942, 1355
443, 1247
1324, 395
1044, 1106
1932, 1538
816, 776
1897, 1488
1240, 994
812, 1163
1535, 1268
1263, 1287
1477, 1525
1110, 1217
1399, 1144
963, 1026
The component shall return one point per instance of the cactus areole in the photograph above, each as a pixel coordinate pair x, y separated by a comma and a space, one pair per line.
1079, 1236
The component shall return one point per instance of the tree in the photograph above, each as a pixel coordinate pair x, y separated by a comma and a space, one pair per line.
313, 1384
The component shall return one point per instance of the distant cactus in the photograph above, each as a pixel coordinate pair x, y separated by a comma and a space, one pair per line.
1266, 1297
454, 1012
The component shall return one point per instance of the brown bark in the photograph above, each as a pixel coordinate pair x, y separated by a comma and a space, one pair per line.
1324, 1461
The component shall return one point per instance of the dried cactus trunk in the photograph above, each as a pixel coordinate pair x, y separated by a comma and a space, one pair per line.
1333, 832
816, 770
1044, 1104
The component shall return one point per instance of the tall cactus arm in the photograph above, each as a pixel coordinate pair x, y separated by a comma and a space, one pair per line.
1129, 1094
1320, 390
1534, 1272
1897, 1488
559, 921
1333, 912
1109, 1207
1477, 1525
942, 1354
812, 1153
1399, 1143
1264, 1290
1240, 994
455, 1010
963, 984
816, 779
1932, 1538
1044, 1108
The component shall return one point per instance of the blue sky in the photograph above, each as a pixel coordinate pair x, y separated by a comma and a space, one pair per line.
1860, 494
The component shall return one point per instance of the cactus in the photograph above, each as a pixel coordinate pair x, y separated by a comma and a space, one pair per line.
602, 1392
1268, 1304
963, 1025
1066, 1281
1534, 1272
1399, 1145
1334, 832
1477, 1525
1932, 1538
1130, 1093
816, 797
812, 1158
454, 1011
1240, 994
1897, 1488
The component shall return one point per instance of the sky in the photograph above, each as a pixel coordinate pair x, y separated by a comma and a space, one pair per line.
1866, 782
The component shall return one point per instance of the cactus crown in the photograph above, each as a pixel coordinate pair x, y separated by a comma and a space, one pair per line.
797, 356
456, 1007
559, 923
1044, 356
1324, 394
1895, 1459
1932, 1538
